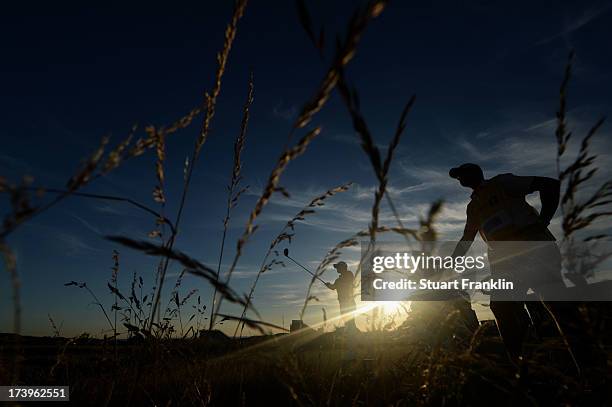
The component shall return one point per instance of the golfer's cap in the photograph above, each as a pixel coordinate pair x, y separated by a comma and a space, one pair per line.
340, 265
464, 169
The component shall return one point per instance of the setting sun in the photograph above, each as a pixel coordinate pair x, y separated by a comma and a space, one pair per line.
392, 307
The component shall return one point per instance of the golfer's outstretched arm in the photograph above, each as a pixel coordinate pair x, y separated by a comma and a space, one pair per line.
469, 233
549, 189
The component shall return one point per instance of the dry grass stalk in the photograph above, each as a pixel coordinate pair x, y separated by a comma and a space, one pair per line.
84, 174
143, 144
97, 302
344, 53
427, 232
193, 266
233, 190
10, 263
114, 287
115, 157
114, 198
132, 314
336, 75
222, 57
306, 22
381, 168
158, 191
90, 170
579, 214
575, 214
286, 234
54, 327
160, 150
270, 188
177, 302
20, 201
137, 302
273, 180
96, 166
21, 210
561, 132
211, 100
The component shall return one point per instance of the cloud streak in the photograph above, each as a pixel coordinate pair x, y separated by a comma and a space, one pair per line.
587, 17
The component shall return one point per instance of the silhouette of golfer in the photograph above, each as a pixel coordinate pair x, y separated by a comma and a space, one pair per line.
498, 211
344, 287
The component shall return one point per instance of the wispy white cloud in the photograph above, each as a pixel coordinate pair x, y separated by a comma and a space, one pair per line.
87, 225
475, 152
530, 152
110, 209
570, 26
74, 245
534, 149
510, 154
433, 178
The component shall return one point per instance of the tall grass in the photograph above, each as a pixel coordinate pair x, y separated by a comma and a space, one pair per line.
104, 160
351, 101
27, 201
580, 212
210, 103
286, 234
381, 168
344, 53
233, 190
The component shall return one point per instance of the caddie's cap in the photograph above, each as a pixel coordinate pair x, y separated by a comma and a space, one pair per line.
465, 169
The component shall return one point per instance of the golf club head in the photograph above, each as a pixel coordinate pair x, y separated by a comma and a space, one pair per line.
286, 252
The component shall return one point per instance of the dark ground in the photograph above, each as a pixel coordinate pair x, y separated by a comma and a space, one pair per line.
414, 365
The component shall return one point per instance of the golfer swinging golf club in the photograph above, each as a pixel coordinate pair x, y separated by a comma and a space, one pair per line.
344, 287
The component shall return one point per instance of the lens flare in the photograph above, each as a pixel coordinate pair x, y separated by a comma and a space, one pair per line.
391, 307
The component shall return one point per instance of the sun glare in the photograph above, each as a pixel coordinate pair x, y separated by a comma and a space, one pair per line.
391, 307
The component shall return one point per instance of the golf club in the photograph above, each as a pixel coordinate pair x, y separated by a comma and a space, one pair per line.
286, 253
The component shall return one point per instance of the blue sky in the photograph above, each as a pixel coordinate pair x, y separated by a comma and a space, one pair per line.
486, 77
